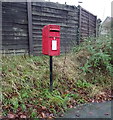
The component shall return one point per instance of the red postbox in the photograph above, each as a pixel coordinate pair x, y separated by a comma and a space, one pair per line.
51, 40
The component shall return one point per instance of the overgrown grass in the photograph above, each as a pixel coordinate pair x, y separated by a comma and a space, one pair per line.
98, 59
82, 76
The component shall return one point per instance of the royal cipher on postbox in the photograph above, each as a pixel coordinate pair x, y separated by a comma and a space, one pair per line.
51, 40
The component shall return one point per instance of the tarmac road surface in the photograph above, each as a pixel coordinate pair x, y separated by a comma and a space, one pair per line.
92, 110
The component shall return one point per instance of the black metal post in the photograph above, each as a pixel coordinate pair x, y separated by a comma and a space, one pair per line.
51, 75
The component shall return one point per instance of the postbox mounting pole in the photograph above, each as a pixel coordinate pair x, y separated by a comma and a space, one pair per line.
51, 74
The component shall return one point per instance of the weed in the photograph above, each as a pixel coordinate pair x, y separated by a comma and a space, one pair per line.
23, 106
34, 113
81, 101
14, 102
74, 96
83, 84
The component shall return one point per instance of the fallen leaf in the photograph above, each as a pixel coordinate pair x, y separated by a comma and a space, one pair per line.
70, 106
49, 117
0, 116
106, 114
43, 115
43, 108
23, 116
90, 113
77, 115
11, 116
61, 115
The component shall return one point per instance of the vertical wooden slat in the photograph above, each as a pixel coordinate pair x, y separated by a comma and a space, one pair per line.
88, 24
96, 32
79, 29
1, 53
29, 9
112, 38
0, 26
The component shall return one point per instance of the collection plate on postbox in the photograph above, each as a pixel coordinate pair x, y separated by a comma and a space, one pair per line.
51, 40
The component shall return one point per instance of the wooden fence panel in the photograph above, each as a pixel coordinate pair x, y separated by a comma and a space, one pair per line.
0, 27
51, 13
22, 25
14, 28
87, 24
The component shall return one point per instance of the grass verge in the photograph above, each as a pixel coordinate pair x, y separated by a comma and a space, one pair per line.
85, 75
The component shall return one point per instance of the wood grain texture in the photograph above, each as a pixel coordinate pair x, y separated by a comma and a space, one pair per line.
23, 23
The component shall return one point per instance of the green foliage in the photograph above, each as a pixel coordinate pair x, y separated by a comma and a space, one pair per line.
83, 84
23, 106
100, 60
81, 101
54, 98
86, 67
14, 102
34, 113
100, 51
74, 96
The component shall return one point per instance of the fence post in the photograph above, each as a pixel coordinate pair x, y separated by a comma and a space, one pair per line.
1, 52
0, 28
96, 32
88, 24
29, 10
79, 29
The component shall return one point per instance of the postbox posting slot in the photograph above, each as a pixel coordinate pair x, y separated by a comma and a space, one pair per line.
54, 30
53, 36
54, 33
